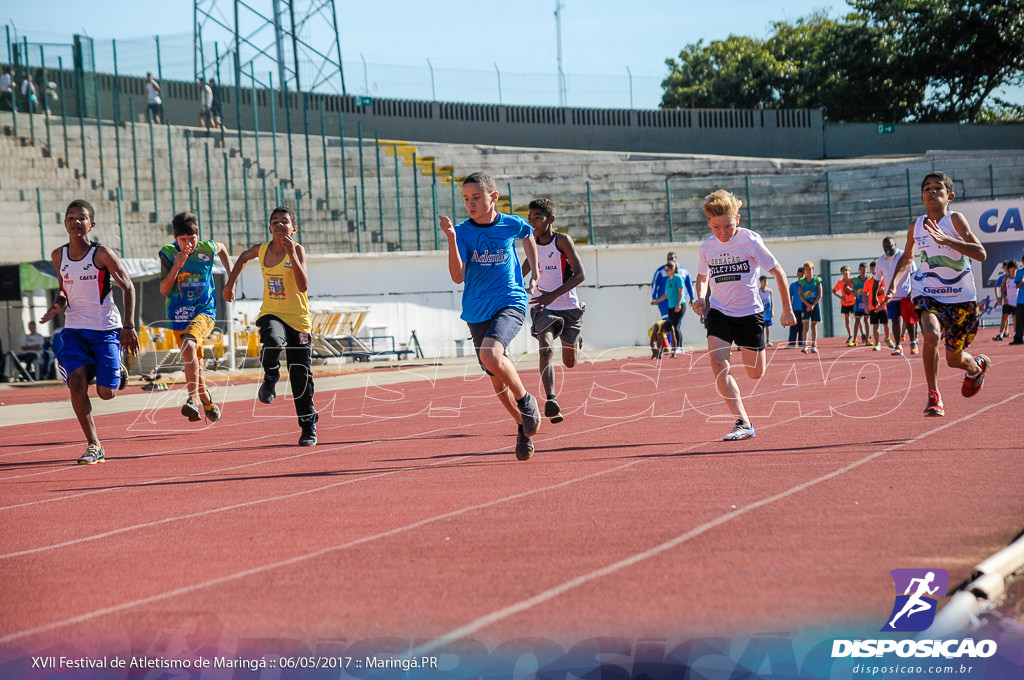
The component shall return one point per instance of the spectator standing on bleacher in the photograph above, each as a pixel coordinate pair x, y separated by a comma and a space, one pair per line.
215, 106
6, 90
32, 350
205, 103
28, 94
154, 103
285, 321
186, 270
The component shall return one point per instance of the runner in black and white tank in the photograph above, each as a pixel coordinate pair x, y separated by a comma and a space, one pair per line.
556, 312
94, 333
729, 261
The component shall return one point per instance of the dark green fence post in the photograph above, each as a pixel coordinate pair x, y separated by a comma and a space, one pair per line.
227, 203
42, 233
416, 198
135, 151
248, 217
750, 206
344, 177
46, 100
455, 207
359, 231
273, 124
910, 200
170, 164
511, 208
433, 195
380, 189
199, 211
590, 214
362, 176
81, 132
152, 168
398, 199
188, 163
120, 218
266, 207
209, 185
117, 119
323, 140
29, 106
298, 216
991, 181
99, 128
668, 205
63, 112
255, 114
305, 134
828, 201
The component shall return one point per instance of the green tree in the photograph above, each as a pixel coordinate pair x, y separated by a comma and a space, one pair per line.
962, 51
889, 60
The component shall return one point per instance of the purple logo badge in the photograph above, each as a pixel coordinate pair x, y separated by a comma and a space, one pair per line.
917, 595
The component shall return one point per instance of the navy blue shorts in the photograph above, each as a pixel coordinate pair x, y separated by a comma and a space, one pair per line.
100, 349
503, 326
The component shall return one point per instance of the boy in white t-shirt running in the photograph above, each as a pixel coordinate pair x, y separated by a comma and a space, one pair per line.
729, 261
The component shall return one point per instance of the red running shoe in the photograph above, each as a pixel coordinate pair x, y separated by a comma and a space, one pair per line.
934, 407
973, 385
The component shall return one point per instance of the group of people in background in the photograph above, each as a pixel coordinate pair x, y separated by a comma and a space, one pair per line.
25, 96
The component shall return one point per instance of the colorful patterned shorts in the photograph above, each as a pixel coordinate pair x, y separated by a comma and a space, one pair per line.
959, 321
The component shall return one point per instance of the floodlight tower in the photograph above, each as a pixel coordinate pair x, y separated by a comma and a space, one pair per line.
289, 37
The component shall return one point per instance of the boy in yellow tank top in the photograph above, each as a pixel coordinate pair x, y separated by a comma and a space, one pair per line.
284, 321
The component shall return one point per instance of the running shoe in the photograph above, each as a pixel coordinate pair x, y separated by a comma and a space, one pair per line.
934, 407
869, 343
190, 410
123, 382
1016, 342
741, 430
530, 414
913, 348
850, 342
212, 412
308, 436
524, 446
552, 411
878, 347
897, 351
93, 454
814, 349
892, 345
973, 385
998, 338
806, 350
267, 392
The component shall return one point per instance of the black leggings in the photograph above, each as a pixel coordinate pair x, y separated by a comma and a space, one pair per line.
276, 335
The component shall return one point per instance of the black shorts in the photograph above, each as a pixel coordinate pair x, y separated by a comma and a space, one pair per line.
562, 323
745, 331
503, 327
1009, 309
846, 309
879, 316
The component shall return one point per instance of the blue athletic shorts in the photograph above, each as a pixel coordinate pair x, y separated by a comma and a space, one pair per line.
503, 327
99, 349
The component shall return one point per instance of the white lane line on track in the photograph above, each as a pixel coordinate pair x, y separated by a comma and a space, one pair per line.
551, 593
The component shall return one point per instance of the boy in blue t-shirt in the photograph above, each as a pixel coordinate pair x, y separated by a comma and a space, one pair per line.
482, 254
186, 269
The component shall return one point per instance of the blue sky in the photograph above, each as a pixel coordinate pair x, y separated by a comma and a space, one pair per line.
613, 52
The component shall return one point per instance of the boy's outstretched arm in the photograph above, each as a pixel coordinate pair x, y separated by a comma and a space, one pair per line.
229, 286
530, 246
456, 267
782, 283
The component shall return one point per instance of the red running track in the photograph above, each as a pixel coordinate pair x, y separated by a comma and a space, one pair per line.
413, 519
